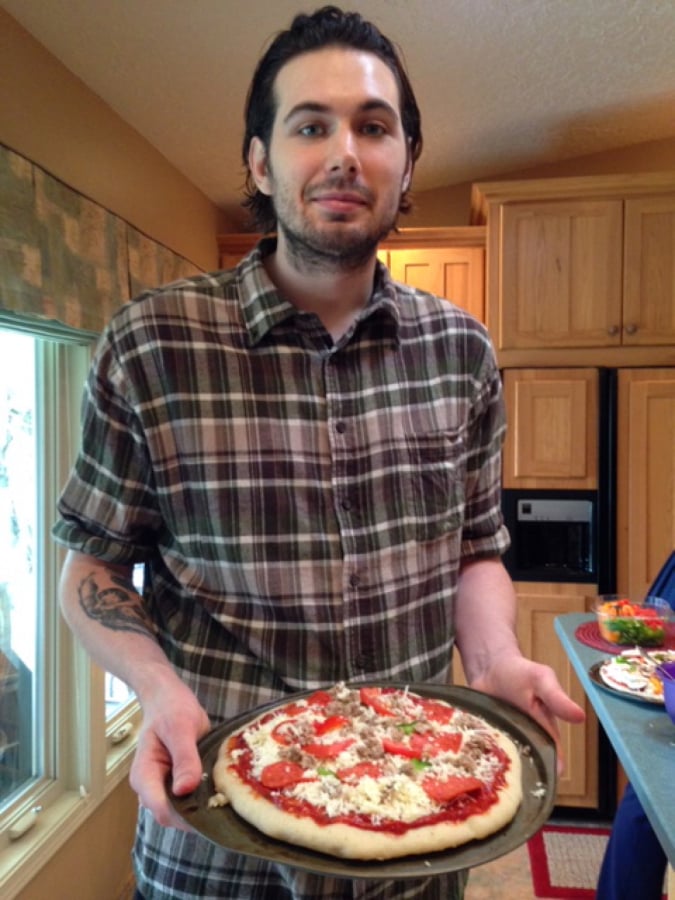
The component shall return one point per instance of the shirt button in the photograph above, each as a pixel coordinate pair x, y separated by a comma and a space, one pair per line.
346, 504
363, 661
340, 427
354, 580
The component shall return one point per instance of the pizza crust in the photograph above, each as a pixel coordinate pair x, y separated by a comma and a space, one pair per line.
350, 842
344, 840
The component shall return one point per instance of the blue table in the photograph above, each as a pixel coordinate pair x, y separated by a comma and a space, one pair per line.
641, 733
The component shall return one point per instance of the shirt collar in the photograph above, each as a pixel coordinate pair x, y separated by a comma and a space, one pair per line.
263, 307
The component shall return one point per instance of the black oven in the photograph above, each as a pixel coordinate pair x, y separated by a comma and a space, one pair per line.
554, 535
568, 534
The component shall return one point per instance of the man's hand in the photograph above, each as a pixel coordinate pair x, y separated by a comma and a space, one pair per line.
535, 689
173, 722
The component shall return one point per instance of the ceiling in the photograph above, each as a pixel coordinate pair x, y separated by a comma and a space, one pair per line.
503, 85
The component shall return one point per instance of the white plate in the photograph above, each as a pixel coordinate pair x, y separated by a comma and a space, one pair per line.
597, 676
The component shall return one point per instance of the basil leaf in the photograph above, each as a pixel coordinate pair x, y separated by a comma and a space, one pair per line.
407, 727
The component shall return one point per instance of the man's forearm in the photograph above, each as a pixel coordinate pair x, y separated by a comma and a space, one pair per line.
485, 615
111, 600
107, 614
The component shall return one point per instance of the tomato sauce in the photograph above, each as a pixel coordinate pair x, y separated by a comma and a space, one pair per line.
457, 810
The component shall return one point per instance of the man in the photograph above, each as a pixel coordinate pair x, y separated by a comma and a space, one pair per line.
305, 457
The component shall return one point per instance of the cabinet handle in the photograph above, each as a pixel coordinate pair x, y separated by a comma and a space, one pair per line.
631, 329
613, 330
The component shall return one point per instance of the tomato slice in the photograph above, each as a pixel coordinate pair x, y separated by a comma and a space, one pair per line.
373, 697
288, 711
319, 698
281, 774
332, 723
446, 789
359, 771
434, 745
436, 712
422, 746
401, 748
328, 751
282, 733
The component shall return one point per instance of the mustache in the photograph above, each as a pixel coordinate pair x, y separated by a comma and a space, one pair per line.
341, 185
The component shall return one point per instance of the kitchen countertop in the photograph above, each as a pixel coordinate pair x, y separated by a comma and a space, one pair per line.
641, 733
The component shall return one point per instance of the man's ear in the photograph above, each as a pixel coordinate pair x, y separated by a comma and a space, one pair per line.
257, 163
407, 175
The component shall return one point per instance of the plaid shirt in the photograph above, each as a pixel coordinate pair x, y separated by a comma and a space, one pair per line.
302, 505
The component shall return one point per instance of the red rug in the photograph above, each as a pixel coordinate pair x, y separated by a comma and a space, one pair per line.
565, 862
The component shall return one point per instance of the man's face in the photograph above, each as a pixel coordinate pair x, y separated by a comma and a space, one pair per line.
338, 157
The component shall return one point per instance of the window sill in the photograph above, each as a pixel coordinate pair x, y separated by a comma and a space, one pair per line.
22, 859
119, 752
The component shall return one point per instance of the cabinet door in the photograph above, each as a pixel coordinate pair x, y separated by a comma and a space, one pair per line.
455, 273
560, 278
649, 279
538, 606
646, 475
552, 434
232, 247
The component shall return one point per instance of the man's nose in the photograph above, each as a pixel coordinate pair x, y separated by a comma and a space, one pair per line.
344, 155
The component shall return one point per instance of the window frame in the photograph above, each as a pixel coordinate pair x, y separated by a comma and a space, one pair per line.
85, 756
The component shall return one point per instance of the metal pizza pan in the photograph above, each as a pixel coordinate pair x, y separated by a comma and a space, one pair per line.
224, 827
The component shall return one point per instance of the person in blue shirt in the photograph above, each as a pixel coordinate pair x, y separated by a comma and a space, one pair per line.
634, 864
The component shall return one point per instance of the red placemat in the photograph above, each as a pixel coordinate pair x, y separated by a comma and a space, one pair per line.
588, 633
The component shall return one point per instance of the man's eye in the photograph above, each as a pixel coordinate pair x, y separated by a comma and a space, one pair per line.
312, 130
373, 129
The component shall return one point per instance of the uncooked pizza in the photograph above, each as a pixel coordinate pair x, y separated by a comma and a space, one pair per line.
370, 773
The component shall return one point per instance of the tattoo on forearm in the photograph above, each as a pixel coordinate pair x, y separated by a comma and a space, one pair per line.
119, 608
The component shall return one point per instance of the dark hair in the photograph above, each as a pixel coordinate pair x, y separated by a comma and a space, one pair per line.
328, 26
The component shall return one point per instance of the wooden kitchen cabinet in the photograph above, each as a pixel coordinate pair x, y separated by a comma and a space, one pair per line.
448, 262
561, 271
538, 606
580, 271
649, 270
455, 273
645, 475
233, 246
552, 438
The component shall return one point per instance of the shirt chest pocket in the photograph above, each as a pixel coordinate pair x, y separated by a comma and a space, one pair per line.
435, 483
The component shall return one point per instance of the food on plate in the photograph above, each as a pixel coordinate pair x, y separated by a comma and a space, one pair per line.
370, 773
621, 621
635, 672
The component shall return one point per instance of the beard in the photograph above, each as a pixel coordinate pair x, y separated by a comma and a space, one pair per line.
336, 244
312, 249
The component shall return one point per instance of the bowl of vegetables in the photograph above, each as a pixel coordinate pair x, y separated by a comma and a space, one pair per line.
631, 623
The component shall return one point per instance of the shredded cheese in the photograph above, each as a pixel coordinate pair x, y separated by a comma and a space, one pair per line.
402, 798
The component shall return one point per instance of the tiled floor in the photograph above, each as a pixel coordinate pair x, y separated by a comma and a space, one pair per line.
507, 878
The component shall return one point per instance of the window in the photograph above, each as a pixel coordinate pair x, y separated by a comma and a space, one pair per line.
63, 722
18, 576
